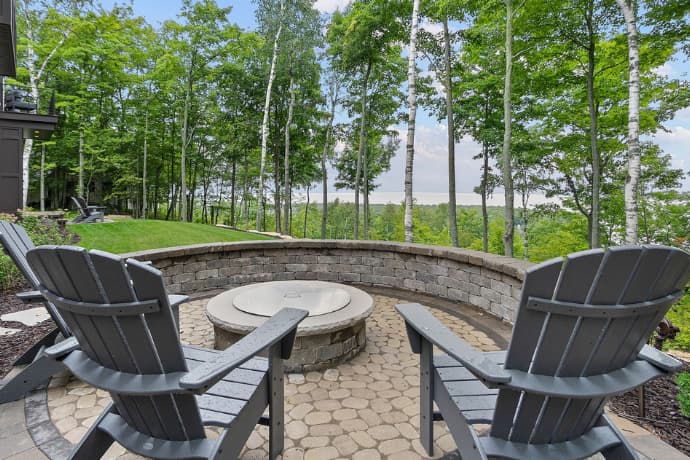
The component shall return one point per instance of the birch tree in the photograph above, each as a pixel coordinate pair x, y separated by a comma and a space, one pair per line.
264, 123
507, 122
633, 176
333, 91
58, 23
411, 120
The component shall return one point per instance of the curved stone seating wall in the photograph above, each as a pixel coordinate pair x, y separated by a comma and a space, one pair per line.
487, 281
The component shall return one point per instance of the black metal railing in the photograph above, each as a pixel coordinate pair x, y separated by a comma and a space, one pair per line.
19, 98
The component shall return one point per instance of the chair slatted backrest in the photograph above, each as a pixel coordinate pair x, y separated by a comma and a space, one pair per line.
144, 343
80, 203
17, 243
617, 297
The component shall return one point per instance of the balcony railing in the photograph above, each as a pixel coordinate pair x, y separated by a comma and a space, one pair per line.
18, 98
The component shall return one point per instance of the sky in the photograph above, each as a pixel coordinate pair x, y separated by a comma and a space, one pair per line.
431, 157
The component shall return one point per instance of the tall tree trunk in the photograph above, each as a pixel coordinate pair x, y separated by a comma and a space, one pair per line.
245, 189
264, 124
595, 238
485, 191
333, 94
362, 144
365, 174
233, 197
411, 120
288, 191
80, 185
186, 138
144, 201
306, 214
452, 206
507, 134
633, 177
276, 192
43, 177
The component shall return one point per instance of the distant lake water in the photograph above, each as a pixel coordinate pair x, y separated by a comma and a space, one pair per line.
462, 199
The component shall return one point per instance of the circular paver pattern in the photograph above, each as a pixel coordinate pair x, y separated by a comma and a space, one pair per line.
365, 409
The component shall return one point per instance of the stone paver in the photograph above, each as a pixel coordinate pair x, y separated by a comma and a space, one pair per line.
367, 408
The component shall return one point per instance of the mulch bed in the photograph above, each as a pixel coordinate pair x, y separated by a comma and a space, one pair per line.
663, 417
12, 346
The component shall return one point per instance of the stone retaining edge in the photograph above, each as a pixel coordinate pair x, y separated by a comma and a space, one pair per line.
487, 281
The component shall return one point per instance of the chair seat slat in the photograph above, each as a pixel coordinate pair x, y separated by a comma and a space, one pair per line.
213, 418
221, 404
475, 402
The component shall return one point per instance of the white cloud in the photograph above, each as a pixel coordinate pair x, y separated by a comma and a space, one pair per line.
431, 27
330, 6
431, 162
676, 141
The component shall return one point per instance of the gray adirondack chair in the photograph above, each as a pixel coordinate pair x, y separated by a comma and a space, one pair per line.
579, 338
87, 213
121, 318
40, 367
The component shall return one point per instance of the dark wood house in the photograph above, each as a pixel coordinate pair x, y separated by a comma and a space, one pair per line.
18, 117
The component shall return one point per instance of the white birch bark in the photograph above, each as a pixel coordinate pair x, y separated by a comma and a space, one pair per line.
287, 197
186, 138
362, 145
507, 133
411, 120
264, 124
631, 181
43, 177
452, 219
333, 95
35, 75
144, 204
80, 185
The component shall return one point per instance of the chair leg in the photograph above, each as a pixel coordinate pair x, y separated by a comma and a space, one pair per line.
31, 353
35, 374
276, 423
623, 451
95, 442
426, 400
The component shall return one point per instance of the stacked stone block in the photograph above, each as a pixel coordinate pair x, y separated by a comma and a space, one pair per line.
489, 282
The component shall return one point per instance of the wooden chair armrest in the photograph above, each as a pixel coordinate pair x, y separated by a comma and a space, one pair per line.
63, 348
280, 327
176, 299
30, 296
660, 359
422, 324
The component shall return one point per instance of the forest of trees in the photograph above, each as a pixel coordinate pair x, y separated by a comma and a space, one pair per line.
202, 119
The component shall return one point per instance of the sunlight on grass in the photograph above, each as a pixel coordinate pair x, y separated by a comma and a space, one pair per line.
136, 235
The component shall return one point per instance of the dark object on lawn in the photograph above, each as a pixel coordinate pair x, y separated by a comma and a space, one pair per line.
665, 331
14, 102
16, 243
87, 213
579, 338
130, 346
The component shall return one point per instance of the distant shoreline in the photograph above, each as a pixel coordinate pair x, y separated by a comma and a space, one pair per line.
425, 198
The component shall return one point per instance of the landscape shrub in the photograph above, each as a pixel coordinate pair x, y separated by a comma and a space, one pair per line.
683, 382
41, 231
679, 315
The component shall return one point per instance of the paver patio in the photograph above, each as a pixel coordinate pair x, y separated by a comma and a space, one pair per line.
365, 409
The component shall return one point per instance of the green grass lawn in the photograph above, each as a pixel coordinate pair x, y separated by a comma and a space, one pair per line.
136, 235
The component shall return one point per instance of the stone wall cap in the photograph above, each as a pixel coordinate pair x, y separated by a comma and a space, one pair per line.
501, 264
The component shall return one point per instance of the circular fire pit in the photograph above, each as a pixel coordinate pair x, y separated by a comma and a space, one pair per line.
334, 331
